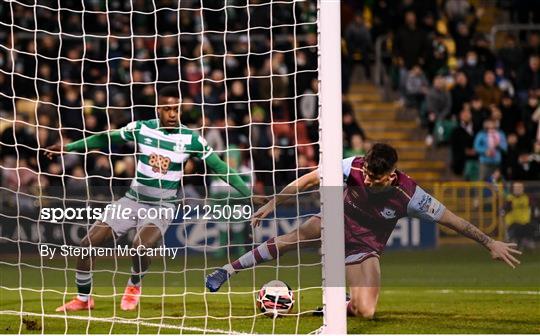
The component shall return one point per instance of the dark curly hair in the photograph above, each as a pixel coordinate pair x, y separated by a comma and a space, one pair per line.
381, 159
169, 91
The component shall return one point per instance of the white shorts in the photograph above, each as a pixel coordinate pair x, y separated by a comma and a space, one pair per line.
138, 215
358, 258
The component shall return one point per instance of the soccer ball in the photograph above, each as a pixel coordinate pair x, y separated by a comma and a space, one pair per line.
275, 299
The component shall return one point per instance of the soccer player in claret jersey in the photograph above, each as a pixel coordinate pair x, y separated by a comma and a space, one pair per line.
376, 195
164, 145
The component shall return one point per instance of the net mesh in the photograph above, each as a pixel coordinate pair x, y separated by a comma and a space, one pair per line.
247, 72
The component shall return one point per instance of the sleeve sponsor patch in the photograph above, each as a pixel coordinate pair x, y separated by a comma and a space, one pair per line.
424, 206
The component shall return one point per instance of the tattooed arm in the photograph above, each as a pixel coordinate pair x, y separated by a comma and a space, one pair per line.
460, 225
499, 250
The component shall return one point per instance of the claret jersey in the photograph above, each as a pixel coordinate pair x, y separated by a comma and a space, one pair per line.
370, 218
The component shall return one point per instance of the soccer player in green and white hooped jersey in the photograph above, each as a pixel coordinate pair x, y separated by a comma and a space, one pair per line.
163, 145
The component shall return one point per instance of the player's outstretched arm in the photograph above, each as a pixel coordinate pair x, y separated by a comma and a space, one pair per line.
499, 250
92, 142
227, 174
300, 184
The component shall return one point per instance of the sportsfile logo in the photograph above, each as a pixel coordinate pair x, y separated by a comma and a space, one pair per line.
111, 211
117, 211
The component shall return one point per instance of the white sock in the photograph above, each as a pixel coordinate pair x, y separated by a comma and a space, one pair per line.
83, 297
229, 269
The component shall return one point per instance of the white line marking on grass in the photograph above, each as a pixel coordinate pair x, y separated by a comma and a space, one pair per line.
468, 291
120, 320
489, 291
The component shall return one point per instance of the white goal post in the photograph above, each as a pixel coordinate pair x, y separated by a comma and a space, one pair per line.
335, 317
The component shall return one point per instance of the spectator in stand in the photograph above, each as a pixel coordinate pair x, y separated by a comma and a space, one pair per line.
437, 60
20, 177
18, 140
530, 116
76, 185
479, 113
496, 115
71, 114
496, 178
535, 156
503, 82
410, 43
510, 159
529, 77
383, 18
528, 166
462, 143
359, 43
524, 141
101, 174
533, 45
461, 93
488, 91
473, 69
438, 105
511, 114
356, 147
490, 144
191, 113
457, 10
462, 32
483, 50
415, 87
428, 22
351, 128
516, 148
511, 56
518, 217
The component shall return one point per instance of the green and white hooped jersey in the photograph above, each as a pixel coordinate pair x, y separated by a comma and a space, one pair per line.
161, 154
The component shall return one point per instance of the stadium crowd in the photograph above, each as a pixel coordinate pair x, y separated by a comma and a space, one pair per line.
483, 103
103, 71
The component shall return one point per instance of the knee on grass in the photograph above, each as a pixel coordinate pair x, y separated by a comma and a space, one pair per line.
361, 310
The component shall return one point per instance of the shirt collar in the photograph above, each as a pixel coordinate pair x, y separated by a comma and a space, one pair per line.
167, 130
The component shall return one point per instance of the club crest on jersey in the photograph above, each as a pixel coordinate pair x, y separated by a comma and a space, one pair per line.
388, 213
180, 146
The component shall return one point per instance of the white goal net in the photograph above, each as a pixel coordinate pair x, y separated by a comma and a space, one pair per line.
247, 78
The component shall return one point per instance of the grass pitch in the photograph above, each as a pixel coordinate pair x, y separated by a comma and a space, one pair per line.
454, 289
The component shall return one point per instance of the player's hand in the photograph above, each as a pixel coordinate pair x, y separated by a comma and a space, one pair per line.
53, 150
259, 200
504, 251
262, 213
